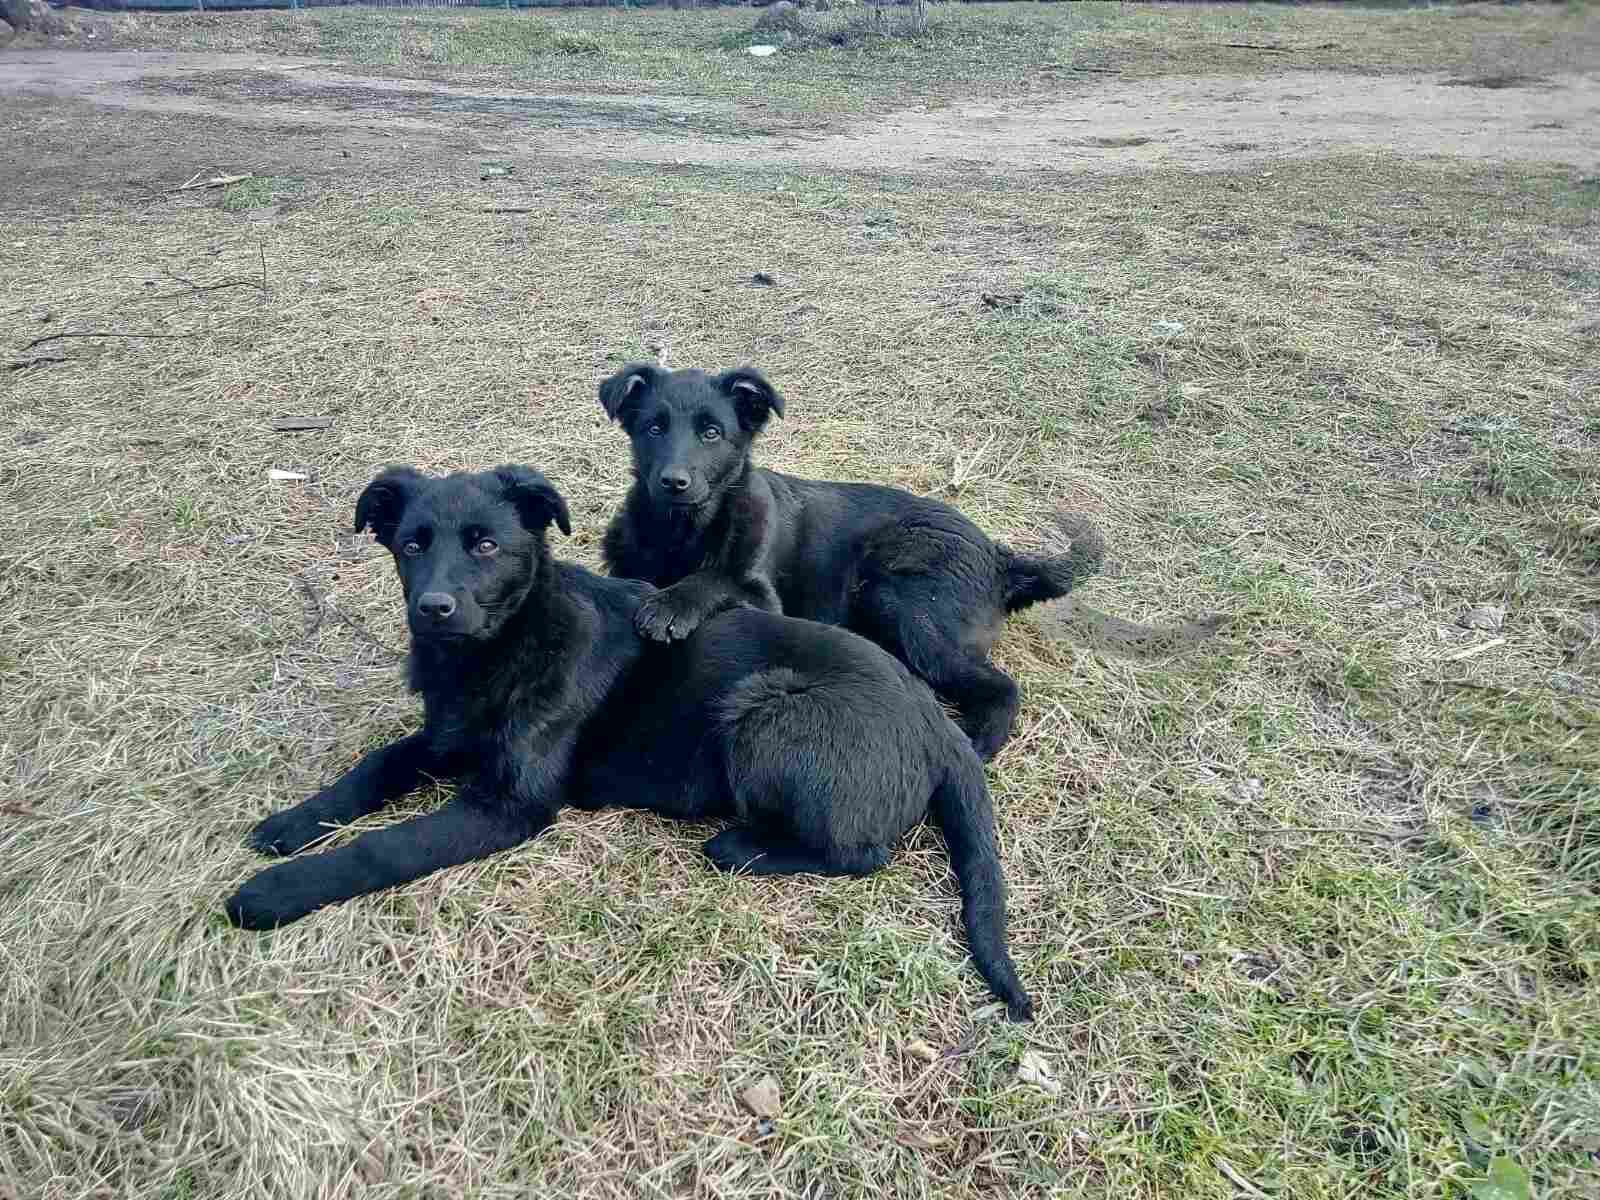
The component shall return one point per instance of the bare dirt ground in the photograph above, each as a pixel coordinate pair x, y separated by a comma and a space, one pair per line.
1104, 126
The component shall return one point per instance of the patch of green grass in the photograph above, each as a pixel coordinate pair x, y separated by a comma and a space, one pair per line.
255, 192
186, 514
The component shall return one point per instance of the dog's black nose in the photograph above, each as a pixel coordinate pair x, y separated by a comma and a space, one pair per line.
437, 605
675, 481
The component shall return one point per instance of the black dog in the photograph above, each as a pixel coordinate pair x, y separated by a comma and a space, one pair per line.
710, 529
538, 692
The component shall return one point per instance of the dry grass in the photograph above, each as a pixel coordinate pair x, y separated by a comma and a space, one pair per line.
1311, 914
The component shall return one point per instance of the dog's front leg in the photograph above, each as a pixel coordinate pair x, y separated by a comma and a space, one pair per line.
379, 778
673, 613
758, 592
461, 831
515, 796
738, 572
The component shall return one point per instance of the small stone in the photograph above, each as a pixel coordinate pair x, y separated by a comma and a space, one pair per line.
761, 1098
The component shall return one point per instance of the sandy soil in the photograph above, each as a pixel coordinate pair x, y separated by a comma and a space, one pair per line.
1096, 126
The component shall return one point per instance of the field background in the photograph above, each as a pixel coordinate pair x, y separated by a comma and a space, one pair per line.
1307, 325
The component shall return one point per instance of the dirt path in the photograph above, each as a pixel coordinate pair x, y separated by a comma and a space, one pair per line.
1196, 123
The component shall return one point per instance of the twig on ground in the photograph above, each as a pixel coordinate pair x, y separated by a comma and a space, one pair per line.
210, 287
1278, 47
195, 184
325, 608
1474, 651
107, 333
42, 360
505, 210
1238, 1180
1393, 835
14, 811
1076, 1114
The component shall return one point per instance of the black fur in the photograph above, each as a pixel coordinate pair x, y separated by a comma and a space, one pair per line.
821, 749
711, 530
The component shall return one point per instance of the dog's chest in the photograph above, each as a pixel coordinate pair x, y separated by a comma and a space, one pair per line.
666, 557
459, 724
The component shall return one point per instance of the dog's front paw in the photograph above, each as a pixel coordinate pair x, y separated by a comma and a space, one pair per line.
277, 896
667, 616
286, 832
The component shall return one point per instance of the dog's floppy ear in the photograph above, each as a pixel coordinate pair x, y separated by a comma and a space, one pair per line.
626, 388
753, 397
383, 501
538, 503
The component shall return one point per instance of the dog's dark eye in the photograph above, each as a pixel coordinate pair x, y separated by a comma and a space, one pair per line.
711, 434
486, 547
411, 549
656, 429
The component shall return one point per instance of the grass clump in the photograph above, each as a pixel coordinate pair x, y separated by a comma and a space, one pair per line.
255, 192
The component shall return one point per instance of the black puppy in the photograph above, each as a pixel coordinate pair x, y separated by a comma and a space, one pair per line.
710, 529
537, 691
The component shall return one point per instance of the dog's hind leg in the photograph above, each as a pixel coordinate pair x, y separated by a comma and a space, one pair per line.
759, 853
380, 777
986, 700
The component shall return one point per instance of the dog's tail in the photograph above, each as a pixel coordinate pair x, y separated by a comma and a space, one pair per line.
962, 807
1029, 579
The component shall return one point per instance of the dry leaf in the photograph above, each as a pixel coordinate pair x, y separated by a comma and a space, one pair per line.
1485, 616
761, 1098
915, 1139
917, 1048
1000, 299
1035, 1069
371, 1167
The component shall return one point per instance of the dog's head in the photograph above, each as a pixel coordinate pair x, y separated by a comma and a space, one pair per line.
468, 547
691, 432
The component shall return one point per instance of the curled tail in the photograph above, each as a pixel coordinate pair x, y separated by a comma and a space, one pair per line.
1030, 579
962, 808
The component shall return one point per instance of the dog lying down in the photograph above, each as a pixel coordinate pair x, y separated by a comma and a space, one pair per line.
820, 749
708, 527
